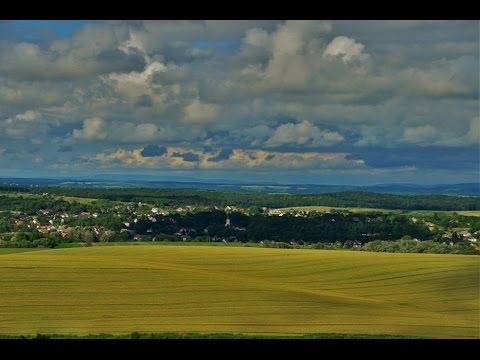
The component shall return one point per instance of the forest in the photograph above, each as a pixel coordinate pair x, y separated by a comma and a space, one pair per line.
184, 197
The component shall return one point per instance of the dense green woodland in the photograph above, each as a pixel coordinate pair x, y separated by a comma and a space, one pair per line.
183, 197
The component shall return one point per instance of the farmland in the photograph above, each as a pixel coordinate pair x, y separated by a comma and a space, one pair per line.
366, 210
122, 289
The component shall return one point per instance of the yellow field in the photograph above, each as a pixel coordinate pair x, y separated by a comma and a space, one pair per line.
469, 213
122, 289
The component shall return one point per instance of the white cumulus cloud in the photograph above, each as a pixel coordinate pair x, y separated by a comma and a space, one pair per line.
93, 129
420, 134
304, 133
347, 48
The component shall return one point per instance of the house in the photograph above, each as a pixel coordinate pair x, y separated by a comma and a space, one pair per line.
19, 222
239, 228
348, 243
44, 227
357, 244
65, 231
130, 232
84, 214
430, 225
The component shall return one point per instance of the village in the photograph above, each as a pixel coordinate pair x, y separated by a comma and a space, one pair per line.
143, 222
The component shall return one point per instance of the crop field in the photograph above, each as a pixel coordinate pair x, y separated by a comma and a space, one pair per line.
469, 213
124, 289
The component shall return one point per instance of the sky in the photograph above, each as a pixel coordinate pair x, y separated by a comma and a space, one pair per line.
326, 102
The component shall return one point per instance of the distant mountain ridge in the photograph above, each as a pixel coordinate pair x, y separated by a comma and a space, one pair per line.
233, 185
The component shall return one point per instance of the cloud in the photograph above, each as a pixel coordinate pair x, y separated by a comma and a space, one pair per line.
224, 154
73, 57
241, 85
153, 150
473, 135
120, 61
346, 48
304, 133
144, 100
65, 148
198, 111
93, 129
239, 159
21, 126
420, 134
29, 115
188, 156
132, 133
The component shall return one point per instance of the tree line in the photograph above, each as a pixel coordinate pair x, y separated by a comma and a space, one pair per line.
183, 197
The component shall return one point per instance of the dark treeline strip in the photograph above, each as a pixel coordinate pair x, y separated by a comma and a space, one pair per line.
183, 197
194, 335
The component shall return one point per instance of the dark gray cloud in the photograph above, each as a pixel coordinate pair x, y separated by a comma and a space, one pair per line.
188, 156
223, 155
462, 158
144, 101
153, 150
116, 60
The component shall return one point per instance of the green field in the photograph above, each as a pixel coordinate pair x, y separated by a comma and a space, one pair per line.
123, 289
364, 210
330, 208
69, 199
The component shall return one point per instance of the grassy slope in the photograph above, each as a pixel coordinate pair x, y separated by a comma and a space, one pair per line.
239, 290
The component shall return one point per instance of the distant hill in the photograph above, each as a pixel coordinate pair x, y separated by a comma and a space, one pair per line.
223, 184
